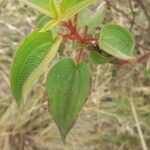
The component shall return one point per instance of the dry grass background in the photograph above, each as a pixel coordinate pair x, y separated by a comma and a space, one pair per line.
107, 121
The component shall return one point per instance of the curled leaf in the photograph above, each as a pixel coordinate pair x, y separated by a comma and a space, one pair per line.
116, 41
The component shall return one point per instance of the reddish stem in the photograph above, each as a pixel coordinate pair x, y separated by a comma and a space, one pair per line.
85, 31
75, 21
79, 55
68, 37
139, 60
74, 35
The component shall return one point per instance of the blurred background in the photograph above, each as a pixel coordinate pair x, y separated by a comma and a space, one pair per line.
117, 113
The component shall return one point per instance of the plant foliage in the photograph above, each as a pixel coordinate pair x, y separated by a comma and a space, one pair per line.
68, 82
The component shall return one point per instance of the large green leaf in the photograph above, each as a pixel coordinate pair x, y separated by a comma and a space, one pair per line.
116, 41
69, 8
68, 85
30, 60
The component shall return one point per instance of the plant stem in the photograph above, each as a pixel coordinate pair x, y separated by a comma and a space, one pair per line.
79, 55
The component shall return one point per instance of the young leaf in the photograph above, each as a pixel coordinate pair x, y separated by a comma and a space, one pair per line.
69, 8
68, 86
116, 41
30, 60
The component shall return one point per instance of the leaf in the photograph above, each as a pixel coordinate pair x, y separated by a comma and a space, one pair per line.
69, 8
50, 25
116, 41
66, 4
82, 19
99, 59
54, 8
31, 58
96, 19
40, 5
41, 20
68, 86
48, 7
75, 7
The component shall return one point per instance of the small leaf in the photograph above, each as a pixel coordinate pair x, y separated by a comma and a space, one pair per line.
68, 86
31, 58
98, 59
116, 41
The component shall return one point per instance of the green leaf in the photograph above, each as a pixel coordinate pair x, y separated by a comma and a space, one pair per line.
116, 41
54, 8
99, 59
66, 4
82, 19
96, 19
40, 5
41, 20
69, 8
68, 85
48, 7
31, 58
50, 25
